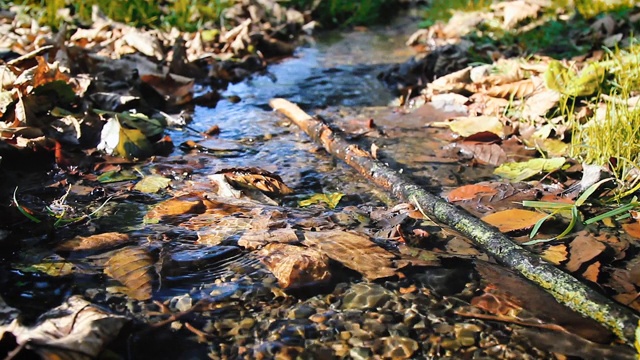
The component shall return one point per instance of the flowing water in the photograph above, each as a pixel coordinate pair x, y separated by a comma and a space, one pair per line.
248, 316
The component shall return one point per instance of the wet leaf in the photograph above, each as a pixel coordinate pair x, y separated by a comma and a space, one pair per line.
583, 249
74, 330
331, 199
116, 176
468, 192
467, 126
520, 171
128, 143
258, 179
180, 208
254, 239
61, 268
354, 251
555, 254
176, 89
94, 242
513, 219
132, 267
295, 266
152, 184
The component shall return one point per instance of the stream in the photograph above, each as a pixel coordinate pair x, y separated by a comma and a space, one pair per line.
247, 314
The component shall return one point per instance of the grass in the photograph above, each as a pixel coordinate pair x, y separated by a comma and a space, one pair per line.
188, 15
333, 13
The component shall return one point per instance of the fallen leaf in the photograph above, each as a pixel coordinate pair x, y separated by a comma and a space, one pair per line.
354, 251
483, 153
254, 239
592, 272
467, 126
513, 219
468, 192
583, 248
76, 329
519, 171
295, 266
331, 200
632, 229
182, 208
94, 242
257, 179
152, 184
133, 268
555, 254
516, 90
59, 268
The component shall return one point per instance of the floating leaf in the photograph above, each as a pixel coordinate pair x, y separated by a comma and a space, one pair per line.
132, 267
94, 242
468, 192
519, 171
331, 200
513, 219
152, 184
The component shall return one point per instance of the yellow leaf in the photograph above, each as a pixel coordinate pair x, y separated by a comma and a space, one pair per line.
467, 126
513, 219
519, 171
331, 200
555, 254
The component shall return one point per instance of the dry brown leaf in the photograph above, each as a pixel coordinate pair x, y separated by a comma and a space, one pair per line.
632, 229
518, 89
513, 219
540, 103
258, 179
93, 242
516, 11
555, 254
468, 192
483, 153
583, 249
175, 89
354, 251
295, 266
631, 300
592, 272
132, 267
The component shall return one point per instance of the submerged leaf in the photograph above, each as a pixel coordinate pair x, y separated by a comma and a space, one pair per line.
331, 200
93, 242
258, 179
152, 184
295, 266
132, 267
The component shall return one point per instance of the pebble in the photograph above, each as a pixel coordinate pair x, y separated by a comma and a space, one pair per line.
364, 296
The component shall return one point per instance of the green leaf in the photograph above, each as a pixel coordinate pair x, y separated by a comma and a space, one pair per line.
63, 91
152, 184
116, 176
133, 144
331, 200
520, 171
590, 190
22, 210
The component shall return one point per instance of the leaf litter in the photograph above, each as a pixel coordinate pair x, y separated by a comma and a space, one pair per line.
295, 245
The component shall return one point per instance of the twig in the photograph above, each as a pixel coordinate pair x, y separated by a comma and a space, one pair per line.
566, 289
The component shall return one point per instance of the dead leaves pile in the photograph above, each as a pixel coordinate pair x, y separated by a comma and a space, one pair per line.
115, 88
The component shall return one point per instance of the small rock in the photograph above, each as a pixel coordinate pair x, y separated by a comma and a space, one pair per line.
397, 347
366, 296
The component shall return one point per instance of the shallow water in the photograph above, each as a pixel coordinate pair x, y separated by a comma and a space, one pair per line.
249, 316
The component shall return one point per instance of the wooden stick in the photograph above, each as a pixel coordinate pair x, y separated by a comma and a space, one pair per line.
566, 289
